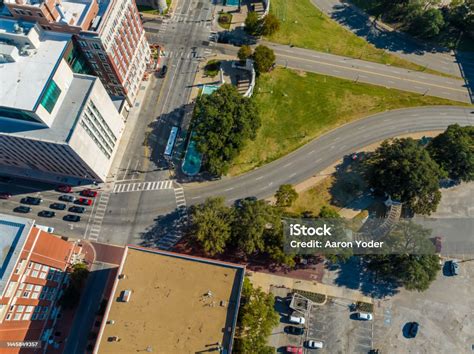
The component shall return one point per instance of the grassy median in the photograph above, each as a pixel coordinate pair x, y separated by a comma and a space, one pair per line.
305, 26
296, 107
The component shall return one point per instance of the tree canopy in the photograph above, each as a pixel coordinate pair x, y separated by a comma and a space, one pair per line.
257, 317
404, 170
264, 58
252, 23
245, 52
453, 150
211, 225
270, 25
223, 122
285, 196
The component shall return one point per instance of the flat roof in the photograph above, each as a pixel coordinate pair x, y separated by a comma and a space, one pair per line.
65, 120
178, 304
23, 81
14, 231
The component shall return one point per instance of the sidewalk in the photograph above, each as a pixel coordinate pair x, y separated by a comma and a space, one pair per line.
265, 280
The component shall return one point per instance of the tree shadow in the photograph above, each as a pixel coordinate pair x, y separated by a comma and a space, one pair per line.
466, 67
354, 274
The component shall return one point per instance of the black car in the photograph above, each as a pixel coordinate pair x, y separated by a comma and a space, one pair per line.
58, 206
73, 218
413, 329
67, 198
163, 71
31, 200
298, 331
77, 209
22, 209
47, 213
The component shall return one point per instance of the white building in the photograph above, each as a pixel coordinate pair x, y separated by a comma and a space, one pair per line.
54, 125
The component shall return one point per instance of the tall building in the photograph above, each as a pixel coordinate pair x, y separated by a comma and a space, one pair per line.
109, 34
33, 267
55, 125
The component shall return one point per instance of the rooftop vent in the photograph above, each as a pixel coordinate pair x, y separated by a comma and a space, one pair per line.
125, 295
17, 28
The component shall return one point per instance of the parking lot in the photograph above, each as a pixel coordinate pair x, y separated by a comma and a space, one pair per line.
444, 313
332, 323
19, 189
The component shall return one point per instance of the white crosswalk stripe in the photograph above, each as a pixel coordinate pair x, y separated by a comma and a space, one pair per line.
142, 186
93, 230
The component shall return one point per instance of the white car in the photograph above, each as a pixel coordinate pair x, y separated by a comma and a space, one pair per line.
314, 344
297, 320
365, 316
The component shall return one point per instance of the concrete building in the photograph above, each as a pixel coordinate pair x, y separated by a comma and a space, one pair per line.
55, 125
33, 267
110, 35
171, 303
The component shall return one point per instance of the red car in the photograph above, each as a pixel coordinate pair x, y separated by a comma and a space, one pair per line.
84, 201
64, 189
296, 350
5, 195
89, 193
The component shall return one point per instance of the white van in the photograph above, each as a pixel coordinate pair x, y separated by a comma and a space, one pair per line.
364, 316
297, 320
314, 344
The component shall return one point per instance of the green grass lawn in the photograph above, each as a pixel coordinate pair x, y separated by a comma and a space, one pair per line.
296, 107
305, 26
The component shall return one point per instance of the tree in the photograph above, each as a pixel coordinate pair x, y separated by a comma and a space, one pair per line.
257, 317
211, 225
285, 196
255, 220
264, 58
77, 280
244, 52
409, 259
252, 23
404, 170
222, 123
328, 213
453, 150
270, 25
427, 23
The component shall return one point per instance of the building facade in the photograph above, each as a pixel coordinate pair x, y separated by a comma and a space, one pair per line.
33, 272
55, 125
110, 36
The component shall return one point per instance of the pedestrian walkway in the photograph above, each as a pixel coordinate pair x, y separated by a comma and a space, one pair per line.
93, 229
180, 199
265, 281
142, 186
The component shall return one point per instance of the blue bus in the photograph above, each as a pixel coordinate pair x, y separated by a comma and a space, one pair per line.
171, 141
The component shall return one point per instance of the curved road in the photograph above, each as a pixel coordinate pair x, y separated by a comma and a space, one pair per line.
322, 152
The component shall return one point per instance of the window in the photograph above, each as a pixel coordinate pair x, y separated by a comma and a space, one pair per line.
50, 97
95, 46
17, 114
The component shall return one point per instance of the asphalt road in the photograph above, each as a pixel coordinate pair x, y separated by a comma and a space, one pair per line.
322, 152
364, 71
396, 43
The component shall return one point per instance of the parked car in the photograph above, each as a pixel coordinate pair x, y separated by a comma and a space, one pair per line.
438, 243
163, 71
22, 209
364, 316
64, 189
67, 198
297, 320
5, 195
89, 193
58, 206
31, 200
77, 209
413, 329
73, 218
314, 344
84, 201
454, 267
47, 213
298, 331
293, 349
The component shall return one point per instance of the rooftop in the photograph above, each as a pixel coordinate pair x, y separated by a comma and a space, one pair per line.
13, 231
24, 79
65, 120
178, 304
